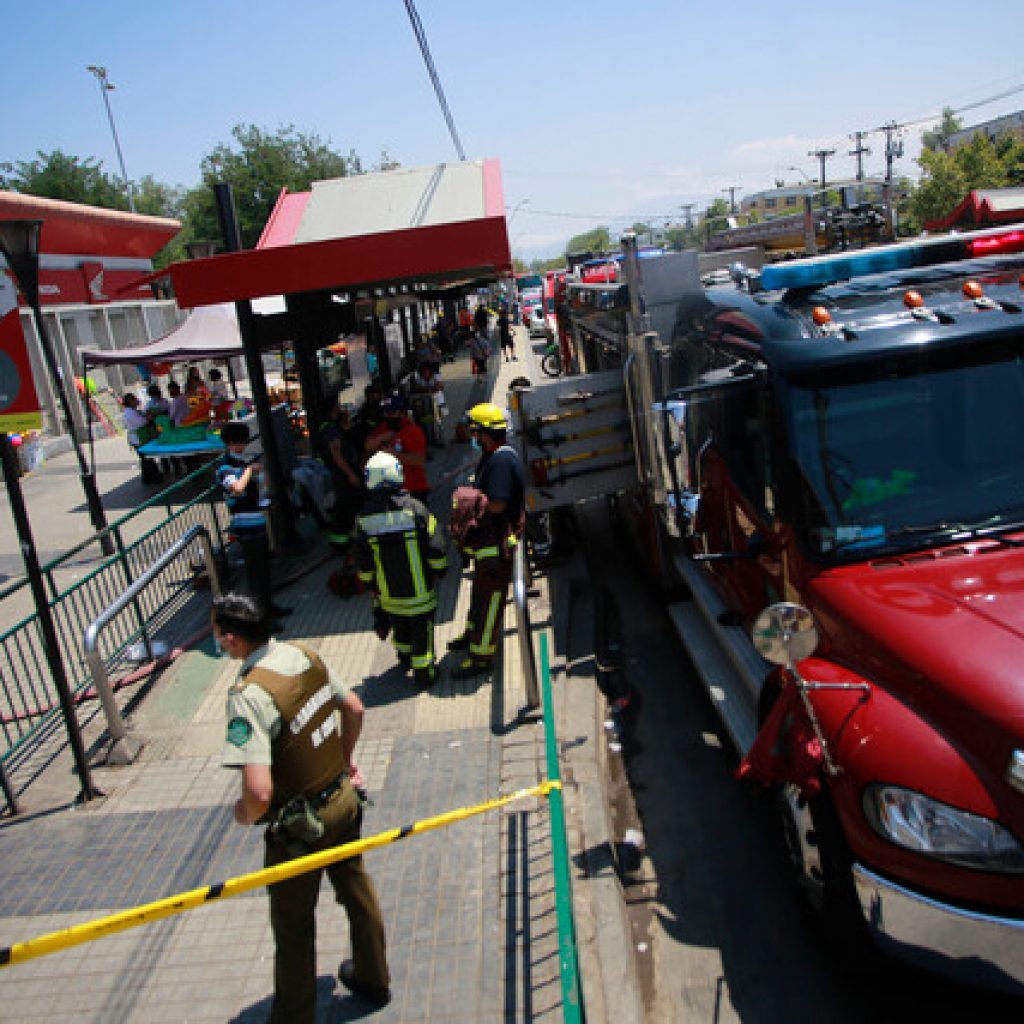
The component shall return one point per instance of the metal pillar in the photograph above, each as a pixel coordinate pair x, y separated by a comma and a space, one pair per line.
283, 521
46, 626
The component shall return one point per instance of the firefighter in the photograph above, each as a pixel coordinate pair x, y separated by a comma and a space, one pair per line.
400, 554
491, 541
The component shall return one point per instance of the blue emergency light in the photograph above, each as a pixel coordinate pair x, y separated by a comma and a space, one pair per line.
885, 259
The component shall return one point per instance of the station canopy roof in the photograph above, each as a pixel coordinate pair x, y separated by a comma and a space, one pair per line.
207, 333
436, 227
77, 230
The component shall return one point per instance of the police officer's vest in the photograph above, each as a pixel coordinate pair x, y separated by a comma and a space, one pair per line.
307, 756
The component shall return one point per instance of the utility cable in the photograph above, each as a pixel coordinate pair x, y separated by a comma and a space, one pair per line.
421, 38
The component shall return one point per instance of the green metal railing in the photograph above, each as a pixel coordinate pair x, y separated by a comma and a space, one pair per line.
572, 991
30, 715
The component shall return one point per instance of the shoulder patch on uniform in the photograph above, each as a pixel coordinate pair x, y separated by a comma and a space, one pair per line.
239, 731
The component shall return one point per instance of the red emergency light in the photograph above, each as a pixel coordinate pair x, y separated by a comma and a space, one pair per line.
997, 245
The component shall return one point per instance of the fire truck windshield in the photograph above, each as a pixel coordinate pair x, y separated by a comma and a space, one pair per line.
909, 452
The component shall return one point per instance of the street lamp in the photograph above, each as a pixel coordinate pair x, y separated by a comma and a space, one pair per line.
516, 209
19, 243
800, 170
106, 86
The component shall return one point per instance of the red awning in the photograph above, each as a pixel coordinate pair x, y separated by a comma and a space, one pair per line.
440, 255
983, 208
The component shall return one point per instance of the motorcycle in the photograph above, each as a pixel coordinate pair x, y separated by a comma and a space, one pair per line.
551, 361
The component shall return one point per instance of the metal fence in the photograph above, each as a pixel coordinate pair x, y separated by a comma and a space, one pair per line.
30, 715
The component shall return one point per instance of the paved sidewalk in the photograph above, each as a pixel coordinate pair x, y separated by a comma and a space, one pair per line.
469, 909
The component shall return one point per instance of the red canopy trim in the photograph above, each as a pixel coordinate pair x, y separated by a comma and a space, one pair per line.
435, 253
76, 230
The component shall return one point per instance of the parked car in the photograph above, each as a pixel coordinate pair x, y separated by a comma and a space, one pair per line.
537, 323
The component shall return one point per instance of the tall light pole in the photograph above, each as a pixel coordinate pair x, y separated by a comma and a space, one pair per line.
106, 86
19, 243
516, 209
799, 170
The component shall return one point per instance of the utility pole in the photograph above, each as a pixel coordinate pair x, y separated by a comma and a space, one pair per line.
732, 190
821, 155
893, 151
893, 147
859, 151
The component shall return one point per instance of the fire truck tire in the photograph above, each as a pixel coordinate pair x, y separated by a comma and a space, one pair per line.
839, 908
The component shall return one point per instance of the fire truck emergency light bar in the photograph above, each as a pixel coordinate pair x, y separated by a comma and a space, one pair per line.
886, 258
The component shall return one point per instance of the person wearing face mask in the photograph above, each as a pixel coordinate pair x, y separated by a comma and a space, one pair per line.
498, 525
400, 436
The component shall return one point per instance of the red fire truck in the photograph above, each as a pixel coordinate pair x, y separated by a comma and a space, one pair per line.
826, 458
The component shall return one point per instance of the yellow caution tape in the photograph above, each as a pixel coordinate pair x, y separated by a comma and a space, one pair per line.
171, 905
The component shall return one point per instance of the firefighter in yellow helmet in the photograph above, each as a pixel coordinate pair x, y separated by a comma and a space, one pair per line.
400, 555
490, 544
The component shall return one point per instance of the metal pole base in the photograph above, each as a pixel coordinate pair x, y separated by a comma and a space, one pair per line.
123, 751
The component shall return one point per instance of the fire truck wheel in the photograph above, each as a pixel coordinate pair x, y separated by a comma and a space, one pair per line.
835, 898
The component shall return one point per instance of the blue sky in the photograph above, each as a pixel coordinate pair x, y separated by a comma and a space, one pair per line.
600, 112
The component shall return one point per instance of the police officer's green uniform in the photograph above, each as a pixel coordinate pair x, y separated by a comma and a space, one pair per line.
281, 712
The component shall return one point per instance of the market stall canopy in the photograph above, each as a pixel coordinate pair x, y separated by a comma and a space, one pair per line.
207, 333
439, 226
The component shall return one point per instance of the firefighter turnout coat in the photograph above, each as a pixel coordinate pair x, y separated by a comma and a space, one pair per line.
400, 552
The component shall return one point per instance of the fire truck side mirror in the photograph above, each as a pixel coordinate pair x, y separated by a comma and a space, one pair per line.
785, 633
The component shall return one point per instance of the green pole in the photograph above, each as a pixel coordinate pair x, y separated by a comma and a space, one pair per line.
572, 1001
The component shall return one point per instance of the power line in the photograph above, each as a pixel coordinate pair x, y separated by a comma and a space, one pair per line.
421, 38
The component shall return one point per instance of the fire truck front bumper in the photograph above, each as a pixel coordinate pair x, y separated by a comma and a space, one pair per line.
978, 949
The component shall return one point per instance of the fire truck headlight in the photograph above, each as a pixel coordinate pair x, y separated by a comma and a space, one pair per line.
919, 823
1015, 773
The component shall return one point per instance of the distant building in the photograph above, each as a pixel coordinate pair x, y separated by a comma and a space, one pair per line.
775, 201
788, 199
1012, 123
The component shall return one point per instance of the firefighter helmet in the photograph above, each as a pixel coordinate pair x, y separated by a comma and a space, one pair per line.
487, 416
384, 470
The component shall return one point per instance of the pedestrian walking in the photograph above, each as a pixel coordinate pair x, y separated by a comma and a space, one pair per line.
400, 555
239, 480
508, 348
479, 350
292, 727
490, 540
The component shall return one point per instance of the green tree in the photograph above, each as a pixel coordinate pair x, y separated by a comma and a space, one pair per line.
937, 138
257, 167
596, 240
948, 177
59, 175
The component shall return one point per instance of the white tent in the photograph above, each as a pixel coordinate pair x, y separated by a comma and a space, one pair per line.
209, 332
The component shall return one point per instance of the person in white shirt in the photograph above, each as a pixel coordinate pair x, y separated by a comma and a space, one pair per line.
138, 426
178, 406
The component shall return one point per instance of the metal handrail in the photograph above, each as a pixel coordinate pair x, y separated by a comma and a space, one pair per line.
524, 628
123, 750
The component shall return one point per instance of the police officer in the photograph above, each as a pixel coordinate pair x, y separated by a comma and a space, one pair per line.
298, 775
490, 545
400, 555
